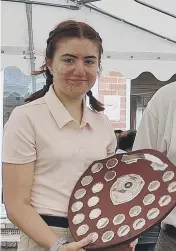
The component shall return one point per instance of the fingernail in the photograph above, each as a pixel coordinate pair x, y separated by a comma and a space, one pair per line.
132, 244
91, 237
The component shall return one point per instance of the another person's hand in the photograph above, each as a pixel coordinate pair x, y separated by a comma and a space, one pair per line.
77, 246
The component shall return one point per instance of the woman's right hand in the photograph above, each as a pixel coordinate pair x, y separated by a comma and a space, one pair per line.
77, 246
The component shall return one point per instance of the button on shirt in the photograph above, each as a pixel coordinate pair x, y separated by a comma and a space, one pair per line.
158, 129
43, 131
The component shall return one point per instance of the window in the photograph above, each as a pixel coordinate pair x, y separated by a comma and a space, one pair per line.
15, 87
139, 113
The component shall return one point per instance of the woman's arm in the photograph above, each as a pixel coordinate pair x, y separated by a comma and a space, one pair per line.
17, 184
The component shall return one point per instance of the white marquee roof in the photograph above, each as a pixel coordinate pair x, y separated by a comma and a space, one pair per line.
136, 38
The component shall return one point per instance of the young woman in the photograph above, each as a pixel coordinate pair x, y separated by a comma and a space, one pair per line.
50, 141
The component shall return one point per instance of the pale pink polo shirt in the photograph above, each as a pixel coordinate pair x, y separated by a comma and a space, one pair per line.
43, 131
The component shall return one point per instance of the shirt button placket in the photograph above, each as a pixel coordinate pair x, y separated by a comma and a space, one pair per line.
81, 149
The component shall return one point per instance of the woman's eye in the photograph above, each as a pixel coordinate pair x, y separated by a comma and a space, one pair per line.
68, 60
89, 62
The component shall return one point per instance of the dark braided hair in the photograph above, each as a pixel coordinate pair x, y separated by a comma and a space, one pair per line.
68, 29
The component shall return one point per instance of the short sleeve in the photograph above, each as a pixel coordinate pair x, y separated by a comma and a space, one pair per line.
148, 135
19, 138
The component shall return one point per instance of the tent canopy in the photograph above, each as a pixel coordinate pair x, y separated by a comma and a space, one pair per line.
136, 38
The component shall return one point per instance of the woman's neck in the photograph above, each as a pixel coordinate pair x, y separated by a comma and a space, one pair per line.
74, 106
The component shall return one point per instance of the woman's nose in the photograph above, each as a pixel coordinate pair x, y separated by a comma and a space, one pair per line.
79, 69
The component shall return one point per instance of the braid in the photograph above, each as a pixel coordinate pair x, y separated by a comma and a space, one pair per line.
44, 90
94, 103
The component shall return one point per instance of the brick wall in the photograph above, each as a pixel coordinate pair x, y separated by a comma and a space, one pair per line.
114, 84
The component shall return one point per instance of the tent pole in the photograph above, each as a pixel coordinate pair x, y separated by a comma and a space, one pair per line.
31, 44
154, 8
70, 7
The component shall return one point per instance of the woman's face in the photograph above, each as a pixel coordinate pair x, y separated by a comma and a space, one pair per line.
74, 67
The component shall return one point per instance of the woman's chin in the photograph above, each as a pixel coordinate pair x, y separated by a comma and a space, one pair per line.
79, 91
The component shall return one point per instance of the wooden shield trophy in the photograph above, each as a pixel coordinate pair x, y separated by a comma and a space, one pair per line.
121, 197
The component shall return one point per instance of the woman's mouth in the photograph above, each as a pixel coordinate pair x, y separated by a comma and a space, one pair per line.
78, 81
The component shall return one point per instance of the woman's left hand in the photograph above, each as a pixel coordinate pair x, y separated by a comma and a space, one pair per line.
133, 244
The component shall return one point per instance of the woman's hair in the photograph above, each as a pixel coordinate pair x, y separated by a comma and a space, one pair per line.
68, 29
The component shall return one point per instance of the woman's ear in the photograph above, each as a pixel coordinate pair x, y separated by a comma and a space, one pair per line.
49, 66
98, 73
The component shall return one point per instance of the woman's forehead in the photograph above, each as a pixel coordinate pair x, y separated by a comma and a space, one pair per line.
79, 47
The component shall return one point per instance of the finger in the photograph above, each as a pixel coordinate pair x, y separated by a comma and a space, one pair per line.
81, 249
84, 242
134, 243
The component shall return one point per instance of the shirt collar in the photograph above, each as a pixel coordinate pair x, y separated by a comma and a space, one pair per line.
61, 114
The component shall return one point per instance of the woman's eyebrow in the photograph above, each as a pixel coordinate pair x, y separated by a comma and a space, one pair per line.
70, 55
